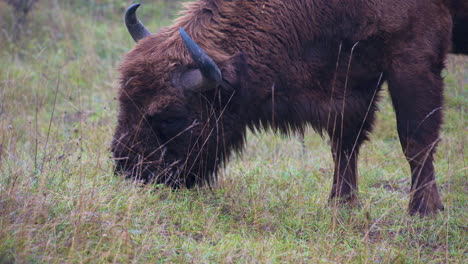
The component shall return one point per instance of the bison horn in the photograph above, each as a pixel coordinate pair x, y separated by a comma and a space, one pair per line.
134, 26
207, 66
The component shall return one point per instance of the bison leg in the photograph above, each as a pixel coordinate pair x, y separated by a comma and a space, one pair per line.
417, 99
345, 187
347, 135
416, 87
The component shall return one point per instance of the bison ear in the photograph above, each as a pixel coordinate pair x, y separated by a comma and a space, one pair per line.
236, 73
235, 77
194, 81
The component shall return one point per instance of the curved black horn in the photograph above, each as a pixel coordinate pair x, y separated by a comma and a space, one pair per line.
134, 26
207, 66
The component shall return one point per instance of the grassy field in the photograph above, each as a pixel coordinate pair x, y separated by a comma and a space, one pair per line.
61, 203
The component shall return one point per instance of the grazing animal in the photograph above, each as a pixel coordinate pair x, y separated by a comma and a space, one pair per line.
189, 93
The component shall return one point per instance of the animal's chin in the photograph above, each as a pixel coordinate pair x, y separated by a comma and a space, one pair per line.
172, 175
173, 171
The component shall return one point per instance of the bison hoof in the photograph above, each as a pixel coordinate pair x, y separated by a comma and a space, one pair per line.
343, 199
426, 202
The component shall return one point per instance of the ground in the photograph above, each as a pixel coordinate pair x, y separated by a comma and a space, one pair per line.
61, 203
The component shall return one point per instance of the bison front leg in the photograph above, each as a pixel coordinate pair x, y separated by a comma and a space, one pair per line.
417, 99
347, 135
345, 186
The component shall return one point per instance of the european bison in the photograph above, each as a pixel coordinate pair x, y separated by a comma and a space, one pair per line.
189, 92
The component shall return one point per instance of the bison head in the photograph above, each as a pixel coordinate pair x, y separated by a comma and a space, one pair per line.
180, 112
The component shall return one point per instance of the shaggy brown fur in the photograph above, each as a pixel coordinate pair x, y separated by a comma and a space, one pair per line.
292, 63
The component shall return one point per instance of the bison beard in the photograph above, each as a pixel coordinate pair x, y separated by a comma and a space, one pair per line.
187, 98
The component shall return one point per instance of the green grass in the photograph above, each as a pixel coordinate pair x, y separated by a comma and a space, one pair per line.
61, 203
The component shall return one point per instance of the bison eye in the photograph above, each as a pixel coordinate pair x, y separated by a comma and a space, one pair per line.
171, 126
170, 122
